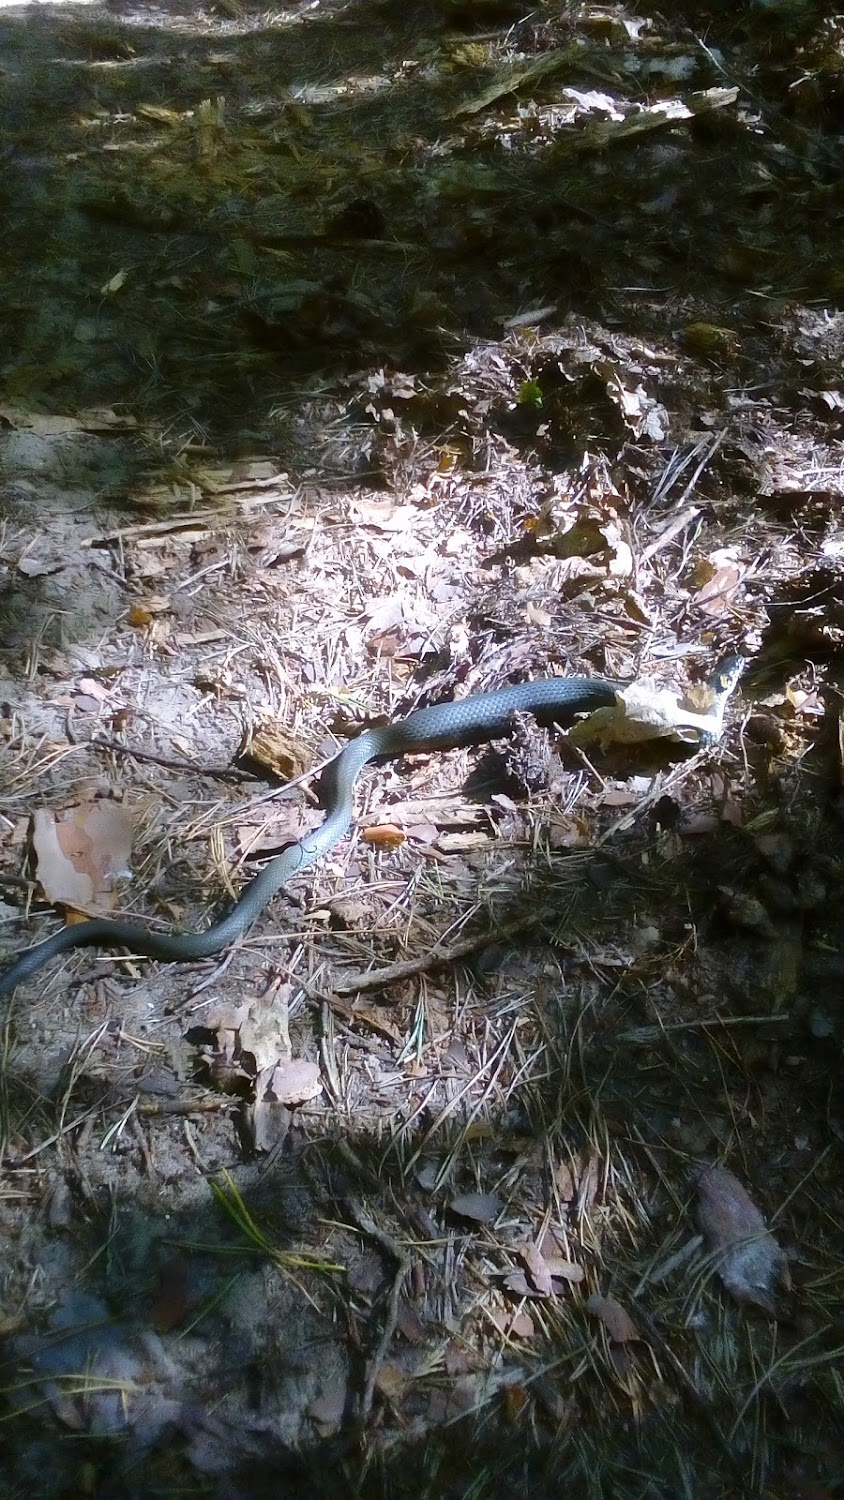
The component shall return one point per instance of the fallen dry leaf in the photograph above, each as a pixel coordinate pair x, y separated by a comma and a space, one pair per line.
40, 567
481, 1208
563, 1270
93, 689
383, 515
292, 1082
517, 1325
714, 597
392, 1382
410, 1325
83, 853
268, 1122
250, 1043
537, 1268
556, 1275
515, 1400
615, 1318
747, 1257
644, 416
589, 1181
564, 1181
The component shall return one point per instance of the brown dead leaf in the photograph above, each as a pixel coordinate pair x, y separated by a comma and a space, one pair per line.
747, 1257
261, 1041
641, 414
410, 1325
615, 1318
555, 1274
423, 833
515, 1400
85, 704
514, 1325
268, 1123
570, 832
617, 796
537, 1268
383, 515
250, 1043
268, 837
83, 853
588, 1182
227, 1018
94, 689
714, 597
518, 1282
392, 1382
291, 1083
564, 1181
716, 579
480, 1208
563, 1270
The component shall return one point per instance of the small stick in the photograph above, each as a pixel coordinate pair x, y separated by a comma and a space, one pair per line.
390, 1247
437, 956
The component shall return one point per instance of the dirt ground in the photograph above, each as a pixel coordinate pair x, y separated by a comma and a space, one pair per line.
355, 357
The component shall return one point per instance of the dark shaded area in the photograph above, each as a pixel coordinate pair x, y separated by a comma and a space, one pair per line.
284, 238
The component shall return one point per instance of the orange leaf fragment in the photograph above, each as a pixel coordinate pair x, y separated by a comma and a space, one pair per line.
384, 836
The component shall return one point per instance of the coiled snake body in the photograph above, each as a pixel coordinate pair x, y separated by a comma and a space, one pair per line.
444, 726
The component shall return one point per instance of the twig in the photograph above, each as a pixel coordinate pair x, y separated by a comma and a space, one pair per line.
390, 1247
152, 1107
436, 957
170, 764
667, 535
14, 1163
644, 1035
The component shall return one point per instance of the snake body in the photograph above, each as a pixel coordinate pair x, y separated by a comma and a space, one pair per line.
443, 726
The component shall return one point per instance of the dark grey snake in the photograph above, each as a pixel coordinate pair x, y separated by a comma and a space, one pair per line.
487, 716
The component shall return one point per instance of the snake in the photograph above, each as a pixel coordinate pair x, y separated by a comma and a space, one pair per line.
476, 719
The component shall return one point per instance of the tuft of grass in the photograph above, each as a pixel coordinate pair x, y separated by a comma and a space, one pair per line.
231, 1201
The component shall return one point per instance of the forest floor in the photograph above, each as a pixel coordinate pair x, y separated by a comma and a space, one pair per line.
356, 356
